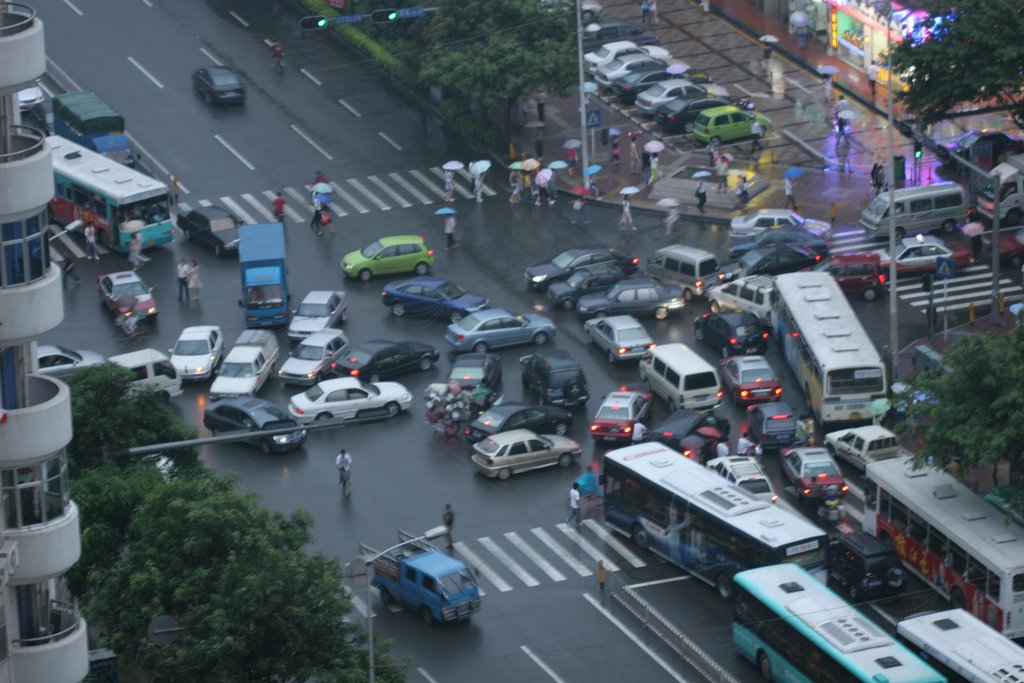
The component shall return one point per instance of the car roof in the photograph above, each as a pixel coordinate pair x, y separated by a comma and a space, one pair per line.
812, 454
867, 432
319, 296
392, 240
339, 383
618, 44
639, 282
256, 407
919, 240
198, 331
864, 543
376, 344
776, 408
681, 417
490, 313
759, 361
502, 438
428, 280
673, 82
727, 109
558, 358
737, 317
620, 398
221, 69
619, 322
123, 276
580, 251
321, 337
740, 465
637, 57
506, 409
212, 212
474, 357
855, 257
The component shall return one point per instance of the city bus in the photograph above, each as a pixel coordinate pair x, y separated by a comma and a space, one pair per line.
824, 343
964, 547
694, 518
119, 201
962, 648
794, 629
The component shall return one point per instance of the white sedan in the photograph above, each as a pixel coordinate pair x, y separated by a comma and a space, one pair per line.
197, 352
620, 48
347, 398
752, 225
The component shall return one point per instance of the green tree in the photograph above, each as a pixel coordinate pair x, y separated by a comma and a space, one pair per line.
110, 415
973, 56
253, 605
500, 52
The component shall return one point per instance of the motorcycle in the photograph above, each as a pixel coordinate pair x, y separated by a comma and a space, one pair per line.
830, 503
450, 407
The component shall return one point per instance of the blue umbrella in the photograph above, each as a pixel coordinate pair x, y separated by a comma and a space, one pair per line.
445, 211
614, 131
322, 198
793, 172
592, 169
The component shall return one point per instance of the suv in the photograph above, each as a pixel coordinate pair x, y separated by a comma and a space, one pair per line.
611, 31
732, 333
865, 566
772, 425
747, 474
857, 274
752, 294
812, 470
556, 377
694, 269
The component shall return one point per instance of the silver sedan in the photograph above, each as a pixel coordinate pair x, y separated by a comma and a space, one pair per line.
57, 361
622, 336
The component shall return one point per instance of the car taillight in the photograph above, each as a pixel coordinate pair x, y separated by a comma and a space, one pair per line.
353, 373
468, 430
780, 417
844, 488
778, 391
821, 475
622, 351
651, 346
744, 393
627, 430
881, 278
298, 410
806, 492
461, 337
720, 393
733, 340
633, 261
700, 283
689, 453
593, 428
764, 335
430, 252
817, 257
383, 293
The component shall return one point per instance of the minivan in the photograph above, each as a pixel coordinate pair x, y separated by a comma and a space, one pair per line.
751, 294
941, 206
681, 377
694, 269
152, 369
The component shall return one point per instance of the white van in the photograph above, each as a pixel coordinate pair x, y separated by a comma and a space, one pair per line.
752, 294
152, 369
941, 206
681, 377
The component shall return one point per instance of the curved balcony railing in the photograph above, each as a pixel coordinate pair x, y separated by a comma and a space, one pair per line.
25, 142
15, 18
64, 618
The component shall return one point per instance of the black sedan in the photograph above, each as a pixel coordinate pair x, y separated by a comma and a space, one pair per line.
638, 296
732, 333
638, 81
379, 359
212, 227
508, 416
569, 261
473, 369
246, 413
218, 84
566, 293
677, 116
783, 258
786, 235
689, 430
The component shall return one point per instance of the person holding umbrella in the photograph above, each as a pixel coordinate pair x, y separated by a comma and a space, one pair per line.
702, 196
449, 232
449, 185
788, 189
634, 154
626, 221
580, 207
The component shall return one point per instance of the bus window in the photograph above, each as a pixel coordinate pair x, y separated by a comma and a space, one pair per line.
917, 529
937, 543
957, 559
898, 515
883, 508
1018, 583
976, 573
994, 585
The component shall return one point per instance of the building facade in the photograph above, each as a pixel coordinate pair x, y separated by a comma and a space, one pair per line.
42, 635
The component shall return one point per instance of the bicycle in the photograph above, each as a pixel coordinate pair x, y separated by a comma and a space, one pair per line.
345, 477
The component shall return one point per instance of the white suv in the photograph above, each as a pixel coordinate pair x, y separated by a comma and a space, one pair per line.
751, 294
745, 473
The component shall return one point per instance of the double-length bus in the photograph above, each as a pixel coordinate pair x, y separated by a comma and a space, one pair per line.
119, 201
963, 648
964, 547
794, 629
824, 343
701, 522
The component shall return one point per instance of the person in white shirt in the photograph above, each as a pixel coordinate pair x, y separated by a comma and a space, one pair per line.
722, 449
574, 504
183, 272
90, 243
639, 432
744, 445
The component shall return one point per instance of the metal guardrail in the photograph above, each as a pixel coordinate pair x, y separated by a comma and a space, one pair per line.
653, 621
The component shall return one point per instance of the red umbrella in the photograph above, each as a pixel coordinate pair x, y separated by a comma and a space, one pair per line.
581, 191
973, 229
710, 432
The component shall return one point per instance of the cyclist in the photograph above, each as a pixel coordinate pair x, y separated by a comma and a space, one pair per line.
279, 208
277, 55
344, 464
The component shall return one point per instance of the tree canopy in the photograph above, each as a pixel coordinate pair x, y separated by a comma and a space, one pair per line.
972, 56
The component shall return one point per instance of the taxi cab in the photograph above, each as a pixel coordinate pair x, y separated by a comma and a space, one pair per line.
618, 413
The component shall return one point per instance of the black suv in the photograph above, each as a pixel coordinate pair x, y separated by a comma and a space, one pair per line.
866, 566
732, 333
567, 292
613, 30
556, 377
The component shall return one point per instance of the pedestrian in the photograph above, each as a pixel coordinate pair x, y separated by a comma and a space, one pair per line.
448, 519
722, 172
1022, 273
513, 183
702, 196
278, 206
90, 243
135, 252
570, 158
705, 5
756, 131
552, 189
634, 154
742, 194
745, 445
827, 87
182, 274
881, 182
449, 232
654, 13
653, 178
343, 463
314, 223
645, 12
832, 212
175, 190
645, 164
195, 283
527, 179
320, 177
712, 151
787, 187
581, 215
615, 151
478, 186
574, 504
67, 270
325, 222
541, 194
975, 247
639, 431
766, 61
449, 186
722, 449
843, 153
626, 221
670, 220
801, 36
592, 185
872, 77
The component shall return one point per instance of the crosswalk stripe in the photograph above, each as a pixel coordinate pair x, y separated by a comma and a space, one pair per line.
614, 543
545, 538
236, 209
585, 545
267, 214
66, 240
387, 190
184, 207
349, 198
1009, 293
977, 294
288, 211
422, 198
439, 172
369, 195
469, 179
482, 568
508, 561
534, 556
912, 289
205, 202
418, 175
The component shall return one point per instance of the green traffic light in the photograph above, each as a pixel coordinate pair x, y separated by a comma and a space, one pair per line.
392, 15
321, 22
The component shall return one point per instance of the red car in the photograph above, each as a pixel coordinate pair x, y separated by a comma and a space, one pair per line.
812, 470
619, 411
859, 275
1011, 248
127, 294
918, 254
749, 379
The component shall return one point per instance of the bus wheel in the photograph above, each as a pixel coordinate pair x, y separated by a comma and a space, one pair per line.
764, 665
640, 537
724, 585
956, 598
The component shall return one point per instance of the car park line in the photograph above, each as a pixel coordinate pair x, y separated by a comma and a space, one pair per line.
561, 552
148, 75
481, 568
358, 186
73, 8
237, 17
389, 140
289, 211
508, 561
637, 640
585, 545
543, 667
310, 76
259, 207
314, 145
423, 672
231, 149
614, 543
234, 207
534, 556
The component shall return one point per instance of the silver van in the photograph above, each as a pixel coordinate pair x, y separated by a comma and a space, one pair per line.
681, 377
941, 206
694, 269
152, 369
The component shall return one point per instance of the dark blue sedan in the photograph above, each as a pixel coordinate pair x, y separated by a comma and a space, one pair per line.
431, 296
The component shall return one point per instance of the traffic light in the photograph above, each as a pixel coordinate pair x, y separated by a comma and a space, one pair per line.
313, 23
918, 152
384, 16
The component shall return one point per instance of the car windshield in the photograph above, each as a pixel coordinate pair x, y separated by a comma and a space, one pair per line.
755, 486
223, 78
563, 260
313, 310
191, 347
746, 330
309, 352
628, 334
820, 469
467, 372
134, 288
371, 250
236, 370
450, 290
314, 393
751, 375
613, 412
223, 223
457, 582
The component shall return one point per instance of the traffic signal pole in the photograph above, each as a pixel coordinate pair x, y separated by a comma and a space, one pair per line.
584, 155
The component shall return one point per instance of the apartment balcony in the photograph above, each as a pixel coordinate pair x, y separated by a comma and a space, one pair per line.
26, 171
43, 427
22, 51
61, 656
48, 549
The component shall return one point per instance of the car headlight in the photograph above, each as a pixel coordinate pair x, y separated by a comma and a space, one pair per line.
280, 438
538, 278
198, 370
151, 310
346, 266
406, 397
310, 375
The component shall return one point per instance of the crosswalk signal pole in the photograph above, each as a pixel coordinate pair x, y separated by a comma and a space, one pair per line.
584, 154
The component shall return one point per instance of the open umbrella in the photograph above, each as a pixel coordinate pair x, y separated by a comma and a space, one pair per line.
799, 18
654, 146
677, 68
453, 165
592, 169
828, 70
614, 132
589, 88
847, 115
592, 28
479, 167
626, 191
702, 174
544, 175
581, 191
793, 172
572, 144
445, 211
323, 188
973, 229
321, 197
769, 39
515, 165
716, 90
668, 201
710, 432
557, 165
530, 164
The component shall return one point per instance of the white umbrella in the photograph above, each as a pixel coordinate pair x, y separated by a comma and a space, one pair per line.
716, 90
677, 68
479, 167
847, 115
828, 70
589, 88
572, 144
530, 164
799, 18
626, 191
702, 174
769, 39
654, 146
973, 229
453, 165
668, 201
544, 175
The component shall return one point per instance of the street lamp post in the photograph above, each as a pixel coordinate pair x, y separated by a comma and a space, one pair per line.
894, 333
584, 154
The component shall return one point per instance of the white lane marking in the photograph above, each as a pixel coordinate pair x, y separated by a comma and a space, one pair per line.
410, 189
645, 584
439, 191
310, 76
508, 561
235, 208
211, 56
147, 3
288, 210
469, 179
577, 566
205, 202
350, 108
585, 545
637, 640
614, 543
439, 172
184, 207
231, 149
148, 75
390, 141
369, 195
534, 556
543, 667
423, 672
239, 19
482, 568
338, 190
264, 211
302, 134
387, 190
359, 604
73, 8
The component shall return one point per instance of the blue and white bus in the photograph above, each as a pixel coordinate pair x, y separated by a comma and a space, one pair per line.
831, 355
962, 647
701, 522
794, 629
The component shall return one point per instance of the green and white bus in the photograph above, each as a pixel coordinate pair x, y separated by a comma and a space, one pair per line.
794, 629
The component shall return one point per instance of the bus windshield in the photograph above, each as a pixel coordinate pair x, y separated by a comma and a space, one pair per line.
264, 296
149, 211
